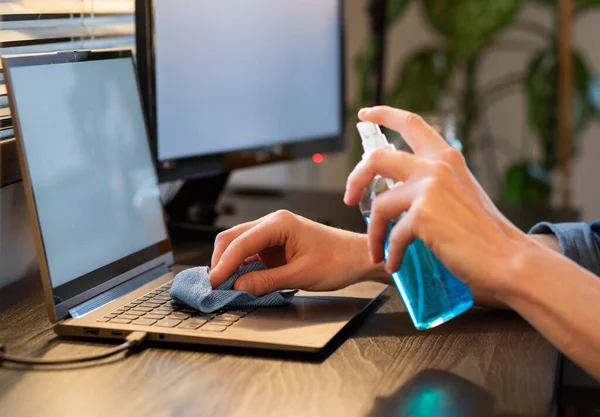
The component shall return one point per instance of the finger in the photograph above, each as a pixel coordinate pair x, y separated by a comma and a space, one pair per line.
389, 164
400, 238
266, 281
263, 235
387, 208
422, 138
225, 238
250, 259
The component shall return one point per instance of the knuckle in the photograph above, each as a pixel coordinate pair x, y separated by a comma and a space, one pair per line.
235, 243
222, 237
414, 120
453, 157
284, 216
421, 213
442, 170
430, 187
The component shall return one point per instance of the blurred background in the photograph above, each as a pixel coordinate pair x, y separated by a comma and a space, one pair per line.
484, 72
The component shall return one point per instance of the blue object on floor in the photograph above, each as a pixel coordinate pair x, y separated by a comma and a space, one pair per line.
192, 287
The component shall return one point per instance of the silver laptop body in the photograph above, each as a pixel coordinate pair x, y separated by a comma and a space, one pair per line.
105, 256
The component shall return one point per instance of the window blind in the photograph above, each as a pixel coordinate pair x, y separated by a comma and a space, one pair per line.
33, 26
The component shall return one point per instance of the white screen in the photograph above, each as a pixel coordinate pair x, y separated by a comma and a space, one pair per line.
240, 74
94, 184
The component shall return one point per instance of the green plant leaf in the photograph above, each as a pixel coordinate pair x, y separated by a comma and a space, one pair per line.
468, 25
526, 183
542, 98
395, 9
421, 81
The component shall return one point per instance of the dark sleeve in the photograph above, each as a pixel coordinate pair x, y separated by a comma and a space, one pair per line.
579, 242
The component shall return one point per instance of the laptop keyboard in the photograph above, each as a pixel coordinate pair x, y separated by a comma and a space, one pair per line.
156, 309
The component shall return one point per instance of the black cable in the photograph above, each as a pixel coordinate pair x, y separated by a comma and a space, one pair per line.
133, 343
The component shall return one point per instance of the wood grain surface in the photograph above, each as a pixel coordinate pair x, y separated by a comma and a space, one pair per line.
484, 363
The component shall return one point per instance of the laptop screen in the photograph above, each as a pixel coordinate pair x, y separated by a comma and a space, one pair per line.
90, 167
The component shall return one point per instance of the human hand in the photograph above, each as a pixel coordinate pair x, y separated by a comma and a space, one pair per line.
445, 206
299, 253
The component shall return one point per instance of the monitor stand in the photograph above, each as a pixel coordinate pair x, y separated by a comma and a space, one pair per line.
193, 211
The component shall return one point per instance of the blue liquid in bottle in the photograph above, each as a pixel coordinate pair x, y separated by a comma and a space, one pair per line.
431, 293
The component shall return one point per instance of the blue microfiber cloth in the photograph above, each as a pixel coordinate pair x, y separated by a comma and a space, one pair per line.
192, 287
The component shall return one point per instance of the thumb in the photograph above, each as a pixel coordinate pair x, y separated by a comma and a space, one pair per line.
266, 281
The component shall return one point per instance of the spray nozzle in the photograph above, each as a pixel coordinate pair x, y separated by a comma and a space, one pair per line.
371, 136
367, 130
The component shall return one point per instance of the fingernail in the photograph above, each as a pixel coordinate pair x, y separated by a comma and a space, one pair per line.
363, 112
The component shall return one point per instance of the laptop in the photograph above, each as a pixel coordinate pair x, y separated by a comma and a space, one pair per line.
105, 256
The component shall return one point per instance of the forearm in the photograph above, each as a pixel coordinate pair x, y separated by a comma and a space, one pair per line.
561, 300
550, 241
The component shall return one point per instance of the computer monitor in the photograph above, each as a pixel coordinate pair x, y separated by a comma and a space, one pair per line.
237, 83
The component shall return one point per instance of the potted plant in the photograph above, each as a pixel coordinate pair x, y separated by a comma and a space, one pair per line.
424, 80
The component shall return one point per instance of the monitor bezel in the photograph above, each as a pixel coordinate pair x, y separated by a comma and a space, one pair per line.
218, 163
60, 299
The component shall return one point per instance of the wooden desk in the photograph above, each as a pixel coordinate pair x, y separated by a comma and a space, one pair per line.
484, 363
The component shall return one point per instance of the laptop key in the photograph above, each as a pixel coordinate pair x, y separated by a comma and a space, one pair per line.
179, 316
192, 324
168, 323
128, 316
144, 322
111, 315
213, 328
120, 321
142, 308
154, 316
123, 309
218, 322
103, 319
150, 304
136, 313
227, 317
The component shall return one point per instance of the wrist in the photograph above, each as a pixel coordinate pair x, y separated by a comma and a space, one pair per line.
548, 240
368, 270
521, 270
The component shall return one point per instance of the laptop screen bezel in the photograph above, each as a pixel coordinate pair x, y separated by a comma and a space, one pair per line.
89, 285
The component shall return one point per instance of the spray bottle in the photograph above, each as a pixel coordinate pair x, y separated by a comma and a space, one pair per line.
431, 294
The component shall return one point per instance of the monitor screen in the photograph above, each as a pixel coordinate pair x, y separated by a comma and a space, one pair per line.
238, 74
90, 167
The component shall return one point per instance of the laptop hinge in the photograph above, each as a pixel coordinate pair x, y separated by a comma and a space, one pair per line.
126, 287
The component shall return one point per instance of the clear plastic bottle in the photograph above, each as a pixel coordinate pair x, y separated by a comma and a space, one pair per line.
431, 293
